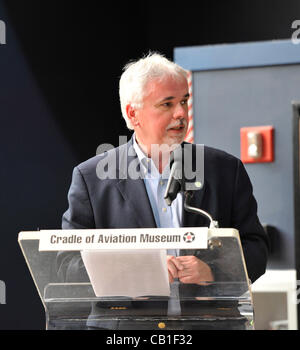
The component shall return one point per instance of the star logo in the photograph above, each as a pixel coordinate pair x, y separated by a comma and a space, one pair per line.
188, 237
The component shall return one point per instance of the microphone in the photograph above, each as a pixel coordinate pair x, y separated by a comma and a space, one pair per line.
189, 181
182, 177
175, 182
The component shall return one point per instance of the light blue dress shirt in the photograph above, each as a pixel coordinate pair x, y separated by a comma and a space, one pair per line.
165, 216
156, 184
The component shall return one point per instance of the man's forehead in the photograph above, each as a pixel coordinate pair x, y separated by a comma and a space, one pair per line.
168, 88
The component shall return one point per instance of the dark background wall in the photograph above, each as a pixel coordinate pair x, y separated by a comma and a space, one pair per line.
59, 76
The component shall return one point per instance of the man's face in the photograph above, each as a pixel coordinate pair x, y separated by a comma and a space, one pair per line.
163, 119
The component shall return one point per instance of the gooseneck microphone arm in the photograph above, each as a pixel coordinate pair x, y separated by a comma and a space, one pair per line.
188, 196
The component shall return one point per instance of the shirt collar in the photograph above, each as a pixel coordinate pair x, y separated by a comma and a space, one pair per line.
147, 163
141, 155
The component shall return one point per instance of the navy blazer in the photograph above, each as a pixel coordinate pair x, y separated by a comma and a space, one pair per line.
123, 202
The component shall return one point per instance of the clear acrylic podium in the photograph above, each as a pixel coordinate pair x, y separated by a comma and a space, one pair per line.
70, 302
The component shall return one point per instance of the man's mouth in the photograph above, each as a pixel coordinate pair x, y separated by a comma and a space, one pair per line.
178, 127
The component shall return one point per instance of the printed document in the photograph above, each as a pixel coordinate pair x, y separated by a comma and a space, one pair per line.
131, 273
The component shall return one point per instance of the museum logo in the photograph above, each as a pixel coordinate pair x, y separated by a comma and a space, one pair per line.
189, 237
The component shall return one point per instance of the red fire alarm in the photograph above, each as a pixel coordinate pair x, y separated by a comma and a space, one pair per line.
257, 144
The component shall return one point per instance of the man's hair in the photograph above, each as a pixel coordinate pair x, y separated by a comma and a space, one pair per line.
137, 74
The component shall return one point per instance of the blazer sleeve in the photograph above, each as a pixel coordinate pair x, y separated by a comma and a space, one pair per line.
69, 265
80, 213
253, 237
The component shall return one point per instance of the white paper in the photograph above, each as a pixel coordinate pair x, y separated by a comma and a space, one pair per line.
131, 273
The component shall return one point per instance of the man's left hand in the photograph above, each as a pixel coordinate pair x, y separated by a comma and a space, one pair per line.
194, 270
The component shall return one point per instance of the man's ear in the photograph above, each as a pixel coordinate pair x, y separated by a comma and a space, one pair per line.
131, 114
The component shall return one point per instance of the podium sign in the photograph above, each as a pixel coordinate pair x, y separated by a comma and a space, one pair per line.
70, 301
146, 238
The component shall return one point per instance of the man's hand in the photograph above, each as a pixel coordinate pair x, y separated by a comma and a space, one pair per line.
174, 266
188, 269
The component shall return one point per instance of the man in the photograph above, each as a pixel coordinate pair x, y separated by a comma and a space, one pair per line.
160, 117
153, 96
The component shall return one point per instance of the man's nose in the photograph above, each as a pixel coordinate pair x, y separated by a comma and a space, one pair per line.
180, 111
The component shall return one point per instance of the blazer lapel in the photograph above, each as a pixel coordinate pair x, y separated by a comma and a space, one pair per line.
132, 186
191, 219
135, 194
